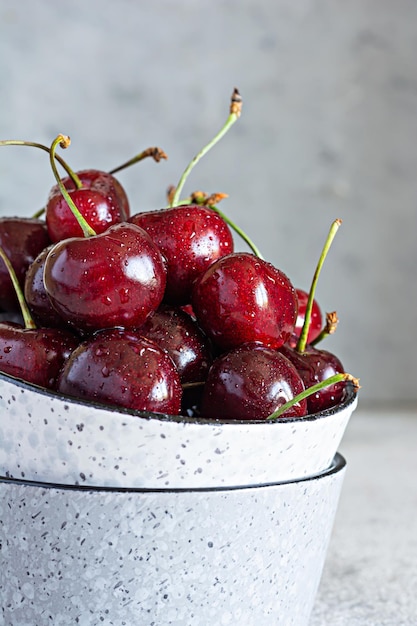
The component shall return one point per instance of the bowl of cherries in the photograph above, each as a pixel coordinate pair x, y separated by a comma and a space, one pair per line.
163, 391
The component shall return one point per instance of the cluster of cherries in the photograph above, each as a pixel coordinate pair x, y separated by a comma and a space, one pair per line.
156, 311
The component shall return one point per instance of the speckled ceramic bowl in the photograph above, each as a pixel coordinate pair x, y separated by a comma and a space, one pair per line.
50, 438
94, 556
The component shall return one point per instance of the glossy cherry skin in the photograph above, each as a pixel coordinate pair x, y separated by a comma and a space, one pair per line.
250, 383
179, 335
314, 366
241, 298
191, 238
122, 368
34, 355
36, 297
116, 278
101, 200
22, 239
316, 319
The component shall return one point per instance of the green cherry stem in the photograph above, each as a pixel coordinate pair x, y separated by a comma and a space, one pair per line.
337, 378
234, 114
34, 144
239, 231
39, 213
64, 141
302, 341
156, 153
27, 318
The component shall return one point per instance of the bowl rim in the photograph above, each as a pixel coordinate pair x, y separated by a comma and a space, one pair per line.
337, 465
349, 398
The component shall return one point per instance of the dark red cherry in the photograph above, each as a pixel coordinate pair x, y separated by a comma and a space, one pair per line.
122, 368
35, 355
36, 297
22, 239
101, 200
116, 278
316, 320
179, 335
315, 366
241, 298
190, 237
250, 383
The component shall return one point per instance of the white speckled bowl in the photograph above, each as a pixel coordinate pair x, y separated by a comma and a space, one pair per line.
93, 556
50, 438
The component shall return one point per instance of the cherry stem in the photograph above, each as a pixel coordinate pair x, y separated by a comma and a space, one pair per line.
192, 385
332, 380
239, 231
39, 213
302, 340
156, 153
64, 141
332, 321
18, 142
234, 114
27, 317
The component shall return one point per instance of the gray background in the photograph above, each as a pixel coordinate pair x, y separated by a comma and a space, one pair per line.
329, 129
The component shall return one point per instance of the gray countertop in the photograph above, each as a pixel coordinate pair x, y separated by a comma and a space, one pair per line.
370, 574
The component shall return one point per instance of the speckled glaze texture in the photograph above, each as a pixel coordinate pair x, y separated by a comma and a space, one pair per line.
46, 437
88, 556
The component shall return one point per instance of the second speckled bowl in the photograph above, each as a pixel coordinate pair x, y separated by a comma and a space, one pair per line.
91, 556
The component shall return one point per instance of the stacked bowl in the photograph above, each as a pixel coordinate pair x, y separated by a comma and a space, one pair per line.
110, 516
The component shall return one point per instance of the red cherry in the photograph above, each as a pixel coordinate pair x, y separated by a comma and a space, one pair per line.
241, 298
122, 368
116, 278
36, 297
21, 239
315, 366
190, 237
101, 200
178, 334
249, 383
34, 355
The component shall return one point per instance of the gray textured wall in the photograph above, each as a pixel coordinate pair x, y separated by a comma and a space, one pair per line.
329, 130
